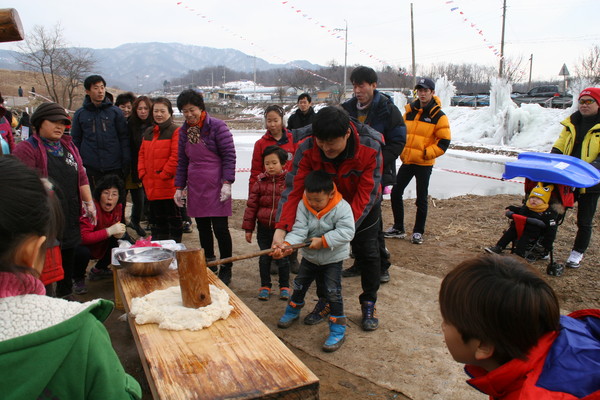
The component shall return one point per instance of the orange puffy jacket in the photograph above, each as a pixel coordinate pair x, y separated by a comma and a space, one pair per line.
157, 162
427, 133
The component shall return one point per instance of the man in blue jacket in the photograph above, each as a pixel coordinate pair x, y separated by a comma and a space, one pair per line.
373, 108
99, 130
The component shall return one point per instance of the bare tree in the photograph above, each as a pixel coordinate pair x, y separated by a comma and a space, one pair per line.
589, 66
513, 70
61, 70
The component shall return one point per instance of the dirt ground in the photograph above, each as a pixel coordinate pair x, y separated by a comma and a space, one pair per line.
457, 229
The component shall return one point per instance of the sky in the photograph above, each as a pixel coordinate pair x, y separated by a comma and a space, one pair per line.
556, 32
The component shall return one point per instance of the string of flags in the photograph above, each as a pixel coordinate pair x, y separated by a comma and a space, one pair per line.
237, 35
455, 9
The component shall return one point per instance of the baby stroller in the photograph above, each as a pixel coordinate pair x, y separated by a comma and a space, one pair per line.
566, 173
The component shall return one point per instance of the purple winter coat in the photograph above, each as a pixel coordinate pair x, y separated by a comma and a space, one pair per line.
204, 166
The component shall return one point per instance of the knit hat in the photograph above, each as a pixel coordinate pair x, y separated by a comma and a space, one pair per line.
542, 192
51, 112
592, 92
425, 83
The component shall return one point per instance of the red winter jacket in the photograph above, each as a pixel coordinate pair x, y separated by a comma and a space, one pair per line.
95, 236
157, 162
259, 147
263, 201
357, 176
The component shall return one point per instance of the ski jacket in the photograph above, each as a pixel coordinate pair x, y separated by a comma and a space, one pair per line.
95, 237
356, 173
263, 201
286, 143
100, 134
385, 118
590, 148
67, 347
157, 163
334, 224
428, 133
33, 154
563, 365
299, 119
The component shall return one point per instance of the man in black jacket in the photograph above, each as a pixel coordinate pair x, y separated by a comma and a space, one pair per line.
304, 115
377, 110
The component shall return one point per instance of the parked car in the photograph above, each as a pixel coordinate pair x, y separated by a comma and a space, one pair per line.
546, 96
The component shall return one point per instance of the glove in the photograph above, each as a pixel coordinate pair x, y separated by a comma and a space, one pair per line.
90, 211
117, 230
179, 198
508, 214
225, 192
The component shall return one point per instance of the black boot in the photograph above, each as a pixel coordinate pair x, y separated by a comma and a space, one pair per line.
225, 273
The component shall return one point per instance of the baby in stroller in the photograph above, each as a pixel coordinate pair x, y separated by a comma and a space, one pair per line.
533, 226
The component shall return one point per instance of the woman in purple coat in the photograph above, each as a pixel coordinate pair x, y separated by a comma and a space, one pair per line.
206, 169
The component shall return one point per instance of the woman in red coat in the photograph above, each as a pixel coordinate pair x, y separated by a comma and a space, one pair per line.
157, 165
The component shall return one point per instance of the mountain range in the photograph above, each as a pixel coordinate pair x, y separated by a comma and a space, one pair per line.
145, 66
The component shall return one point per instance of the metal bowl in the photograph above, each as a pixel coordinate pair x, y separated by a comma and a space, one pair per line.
145, 261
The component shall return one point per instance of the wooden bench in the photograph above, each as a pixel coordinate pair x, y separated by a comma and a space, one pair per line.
234, 358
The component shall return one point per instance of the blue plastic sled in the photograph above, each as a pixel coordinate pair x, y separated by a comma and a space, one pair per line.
553, 168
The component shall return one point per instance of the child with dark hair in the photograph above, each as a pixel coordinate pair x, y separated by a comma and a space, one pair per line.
502, 319
56, 338
535, 220
261, 207
97, 240
326, 220
276, 134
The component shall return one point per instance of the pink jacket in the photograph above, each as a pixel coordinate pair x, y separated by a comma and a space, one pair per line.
16, 284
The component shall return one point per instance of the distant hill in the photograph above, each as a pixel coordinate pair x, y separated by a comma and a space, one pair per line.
144, 66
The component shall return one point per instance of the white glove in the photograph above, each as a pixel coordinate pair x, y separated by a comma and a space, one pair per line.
179, 198
225, 192
90, 211
117, 230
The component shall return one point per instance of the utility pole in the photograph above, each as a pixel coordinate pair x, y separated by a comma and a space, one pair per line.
501, 72
343, 96
412, 37
530, 69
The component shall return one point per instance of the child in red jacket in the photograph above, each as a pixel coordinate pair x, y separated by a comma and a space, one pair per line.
262, 206
98, 240
276, 135
502, 320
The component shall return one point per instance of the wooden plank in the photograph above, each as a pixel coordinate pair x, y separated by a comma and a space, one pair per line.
234, 358
11, 29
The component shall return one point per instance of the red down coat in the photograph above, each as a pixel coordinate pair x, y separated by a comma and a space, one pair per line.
263, 201
157, 162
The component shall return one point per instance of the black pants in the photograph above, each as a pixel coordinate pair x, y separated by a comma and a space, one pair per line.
405, 175
367, 255
65, 287
137, 198
166, 220
586, 208
83, 256
206, 226
264, 237
329, 283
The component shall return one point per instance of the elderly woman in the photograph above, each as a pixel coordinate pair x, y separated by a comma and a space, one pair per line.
207, 169
54, 155
157, 165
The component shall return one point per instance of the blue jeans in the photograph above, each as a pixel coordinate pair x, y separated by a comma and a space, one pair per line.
264, 237
328, 276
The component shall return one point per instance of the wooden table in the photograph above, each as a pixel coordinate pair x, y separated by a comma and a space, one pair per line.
234, 358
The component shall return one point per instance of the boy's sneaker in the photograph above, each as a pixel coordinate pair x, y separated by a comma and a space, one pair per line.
99, 273
394, 233
284, 293
574, 259
369, 320
494, 250
79, 287
384, 277
319, 313
417, 238
264, 293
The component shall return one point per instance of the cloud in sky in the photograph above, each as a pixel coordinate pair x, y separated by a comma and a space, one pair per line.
554, 31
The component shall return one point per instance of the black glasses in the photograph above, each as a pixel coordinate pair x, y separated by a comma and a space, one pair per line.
586, 101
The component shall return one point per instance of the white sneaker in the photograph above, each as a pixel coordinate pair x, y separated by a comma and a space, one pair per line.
574, 259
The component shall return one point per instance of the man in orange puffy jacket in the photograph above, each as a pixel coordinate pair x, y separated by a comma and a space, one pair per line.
427, 137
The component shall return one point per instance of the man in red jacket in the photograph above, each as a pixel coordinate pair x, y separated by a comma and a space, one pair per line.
351, 154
